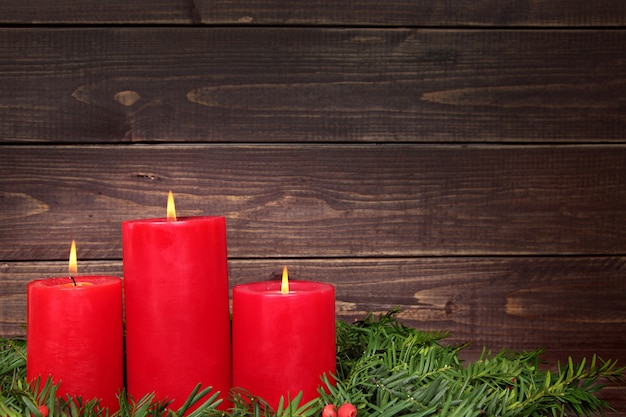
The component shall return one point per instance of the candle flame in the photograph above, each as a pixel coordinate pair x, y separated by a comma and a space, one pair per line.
73, 266
171, 209
284, 286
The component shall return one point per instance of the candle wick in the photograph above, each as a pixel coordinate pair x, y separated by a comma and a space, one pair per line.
73, 280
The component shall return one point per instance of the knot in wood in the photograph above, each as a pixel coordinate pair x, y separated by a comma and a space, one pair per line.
127, 97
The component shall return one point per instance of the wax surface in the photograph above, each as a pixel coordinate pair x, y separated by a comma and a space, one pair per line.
75, 335
283, 343
177, 312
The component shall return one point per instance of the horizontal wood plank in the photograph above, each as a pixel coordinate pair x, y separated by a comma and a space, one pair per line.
104, 85
412, 13
582, 309
474, 299
615, 395
153, 12
320, 200
556, 13
463, 161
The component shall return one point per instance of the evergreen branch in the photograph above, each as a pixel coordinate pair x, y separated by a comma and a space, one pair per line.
384, 368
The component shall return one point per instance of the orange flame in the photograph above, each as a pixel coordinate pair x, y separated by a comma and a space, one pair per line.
171, 209
73, 266
284, 286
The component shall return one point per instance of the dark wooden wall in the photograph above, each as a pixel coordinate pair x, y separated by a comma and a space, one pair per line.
465, 161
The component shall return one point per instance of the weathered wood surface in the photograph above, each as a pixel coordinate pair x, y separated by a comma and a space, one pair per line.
569, 306
104, 85
462, 160
555, 13
616, 396
321, 200
496, 302
425, 13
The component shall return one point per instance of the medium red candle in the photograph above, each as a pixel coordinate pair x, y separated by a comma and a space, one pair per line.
177, 313
283, 341
75, 335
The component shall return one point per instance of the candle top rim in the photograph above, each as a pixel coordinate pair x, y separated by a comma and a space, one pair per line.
60, 283
179, 220
296, 287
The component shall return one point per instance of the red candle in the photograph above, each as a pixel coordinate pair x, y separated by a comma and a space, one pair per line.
75, 336
177, 313
283, 342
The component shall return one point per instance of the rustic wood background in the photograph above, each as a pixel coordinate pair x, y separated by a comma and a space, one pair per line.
465, 161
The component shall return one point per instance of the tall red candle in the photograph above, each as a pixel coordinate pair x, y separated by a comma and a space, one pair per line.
177, 312
283, 343
75, 336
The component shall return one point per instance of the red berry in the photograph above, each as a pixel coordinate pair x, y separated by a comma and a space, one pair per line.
329, 411
347, 410
43, 409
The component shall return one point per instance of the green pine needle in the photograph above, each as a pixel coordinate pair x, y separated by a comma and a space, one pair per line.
383, 367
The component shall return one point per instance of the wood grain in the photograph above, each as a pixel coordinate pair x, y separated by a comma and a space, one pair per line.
411, 13
470, 297
464, 161
321, 200
153, 12
556, 13
224, 84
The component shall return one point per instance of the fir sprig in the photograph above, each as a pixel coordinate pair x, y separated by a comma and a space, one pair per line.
384, 368
389, 369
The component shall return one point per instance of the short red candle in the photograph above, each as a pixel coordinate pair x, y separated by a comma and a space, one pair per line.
283, 343
177, 312
75, 336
